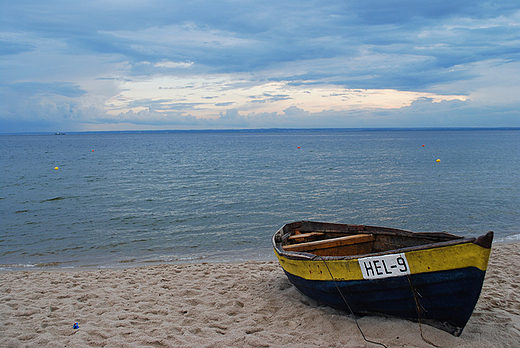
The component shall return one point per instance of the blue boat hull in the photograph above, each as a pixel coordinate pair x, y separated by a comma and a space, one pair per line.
446, 298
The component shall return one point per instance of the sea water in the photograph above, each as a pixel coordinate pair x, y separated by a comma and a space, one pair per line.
128, 199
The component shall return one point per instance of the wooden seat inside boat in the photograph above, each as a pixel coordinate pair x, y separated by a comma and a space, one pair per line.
305, 237
339, 246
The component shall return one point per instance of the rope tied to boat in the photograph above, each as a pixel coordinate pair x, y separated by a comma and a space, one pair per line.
348, 306
418, 308
415, 297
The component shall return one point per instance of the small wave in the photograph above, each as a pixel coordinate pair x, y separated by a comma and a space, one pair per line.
41, 265
18, 265
59, 198
127, 261
242, 242
182, 259
511, 238
50, 264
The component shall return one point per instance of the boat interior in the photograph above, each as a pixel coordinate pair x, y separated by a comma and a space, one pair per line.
325, 239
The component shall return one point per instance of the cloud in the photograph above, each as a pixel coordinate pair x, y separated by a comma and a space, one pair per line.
13, 48
35, 106
149, 117
218, 63
65, 89
172, 65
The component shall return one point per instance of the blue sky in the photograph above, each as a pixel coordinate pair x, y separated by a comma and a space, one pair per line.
129, 65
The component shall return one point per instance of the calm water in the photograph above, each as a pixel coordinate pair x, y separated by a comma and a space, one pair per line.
128, 199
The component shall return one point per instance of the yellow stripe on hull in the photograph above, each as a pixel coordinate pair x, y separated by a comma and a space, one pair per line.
420, 261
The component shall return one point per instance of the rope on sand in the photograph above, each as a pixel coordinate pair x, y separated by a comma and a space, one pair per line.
348, 306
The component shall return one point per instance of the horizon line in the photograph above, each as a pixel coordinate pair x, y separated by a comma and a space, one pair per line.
274, 129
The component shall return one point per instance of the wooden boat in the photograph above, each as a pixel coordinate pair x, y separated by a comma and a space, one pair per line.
431, 277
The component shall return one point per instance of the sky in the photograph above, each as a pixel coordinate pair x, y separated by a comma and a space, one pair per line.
166, 64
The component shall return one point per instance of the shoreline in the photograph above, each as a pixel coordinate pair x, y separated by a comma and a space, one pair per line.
232, 304
129, 264
237, 256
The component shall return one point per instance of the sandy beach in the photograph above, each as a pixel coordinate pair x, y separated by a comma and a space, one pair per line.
249, 304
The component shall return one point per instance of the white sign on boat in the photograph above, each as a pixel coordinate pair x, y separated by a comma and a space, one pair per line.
385, 266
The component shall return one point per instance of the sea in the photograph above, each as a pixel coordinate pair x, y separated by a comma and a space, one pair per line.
127, 199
